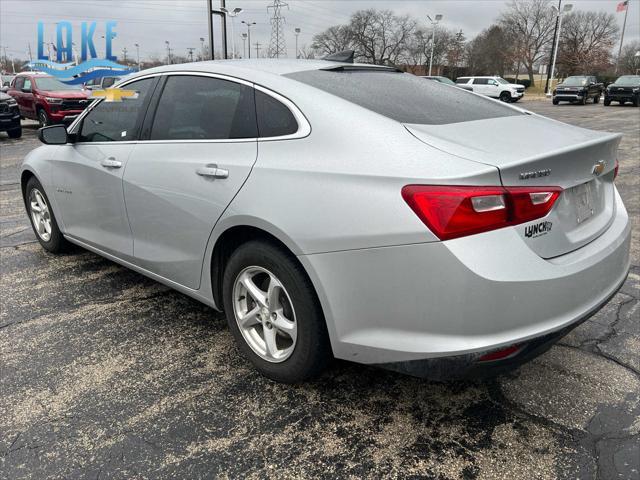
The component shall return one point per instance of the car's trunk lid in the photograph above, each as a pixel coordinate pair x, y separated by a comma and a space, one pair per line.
535, 151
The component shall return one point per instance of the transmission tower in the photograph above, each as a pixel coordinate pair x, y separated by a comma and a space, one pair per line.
277, 47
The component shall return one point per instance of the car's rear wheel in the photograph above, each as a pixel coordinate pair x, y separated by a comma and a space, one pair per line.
505, 97
42, 218
15, 133
43, 118
596, 99
273, 313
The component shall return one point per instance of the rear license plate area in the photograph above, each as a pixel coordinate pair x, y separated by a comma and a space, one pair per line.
583, 201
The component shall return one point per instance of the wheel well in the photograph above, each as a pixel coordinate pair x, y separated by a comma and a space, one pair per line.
226, 244
24, 178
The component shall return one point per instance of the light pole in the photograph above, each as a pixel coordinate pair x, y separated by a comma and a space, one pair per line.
565, 9
248, 24
202, 48
137, 45
233, 14
297, 32
244, 45
168, 52
433, 37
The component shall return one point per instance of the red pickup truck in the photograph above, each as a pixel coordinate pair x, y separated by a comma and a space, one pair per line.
48, 100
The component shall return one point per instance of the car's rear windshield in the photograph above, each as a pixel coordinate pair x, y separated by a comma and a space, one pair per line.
404, 97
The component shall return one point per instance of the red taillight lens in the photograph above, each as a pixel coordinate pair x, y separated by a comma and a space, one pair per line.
457, 211
500, 354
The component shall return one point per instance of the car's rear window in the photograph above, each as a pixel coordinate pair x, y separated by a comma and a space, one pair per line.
404, 97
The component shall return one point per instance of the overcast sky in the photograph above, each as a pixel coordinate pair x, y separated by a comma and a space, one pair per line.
182, 22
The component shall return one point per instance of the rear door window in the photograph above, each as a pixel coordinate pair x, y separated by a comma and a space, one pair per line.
404, 97
204, 108
480, 81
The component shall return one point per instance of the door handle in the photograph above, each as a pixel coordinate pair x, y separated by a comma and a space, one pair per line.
110, 163
212, 170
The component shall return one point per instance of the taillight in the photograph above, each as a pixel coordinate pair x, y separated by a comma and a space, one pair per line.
457, 211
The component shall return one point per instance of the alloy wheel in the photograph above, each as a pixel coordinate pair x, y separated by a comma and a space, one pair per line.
264, 313
40, 214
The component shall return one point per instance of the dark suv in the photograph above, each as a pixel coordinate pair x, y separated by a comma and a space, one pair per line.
9, 116
48, 100
624, 89
578, 88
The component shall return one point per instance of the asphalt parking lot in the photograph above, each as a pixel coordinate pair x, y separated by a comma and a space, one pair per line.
104, 373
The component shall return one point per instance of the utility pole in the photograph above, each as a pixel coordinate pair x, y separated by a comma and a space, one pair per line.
553, 49
244, 45
249, 24
297, 32
190, 50
124, 55
277, 45
202, 48
257, 50
567, 8
433, 37
168, 52
624, 25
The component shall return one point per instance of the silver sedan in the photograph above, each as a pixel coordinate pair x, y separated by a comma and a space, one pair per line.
342, 210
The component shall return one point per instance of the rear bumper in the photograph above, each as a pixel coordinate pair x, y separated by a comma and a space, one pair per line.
462, 297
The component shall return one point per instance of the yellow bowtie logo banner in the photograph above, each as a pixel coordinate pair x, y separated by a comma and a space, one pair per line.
114, 94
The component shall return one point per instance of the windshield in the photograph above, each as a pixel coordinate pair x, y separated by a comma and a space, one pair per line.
575, 81
51, 84
628, 80
501, 80
404, 97
446, 80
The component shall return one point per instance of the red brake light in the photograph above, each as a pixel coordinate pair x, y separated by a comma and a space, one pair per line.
457, 211
500, 354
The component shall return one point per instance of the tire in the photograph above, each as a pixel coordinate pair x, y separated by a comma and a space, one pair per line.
54, 242
584, 100
555, 101
607, 102
43, 118
505, 97
259, 263
634, 102
15, 133
596, 99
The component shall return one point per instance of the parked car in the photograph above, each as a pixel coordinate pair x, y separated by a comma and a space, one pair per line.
5, 81
420, 229
624, 89
495, 87
578, 88
48, 100
101, 83
9, 116
448, 81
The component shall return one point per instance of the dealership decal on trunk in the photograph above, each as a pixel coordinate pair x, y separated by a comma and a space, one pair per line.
538, 229
535, 174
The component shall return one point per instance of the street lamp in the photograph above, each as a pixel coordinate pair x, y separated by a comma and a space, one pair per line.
168, 52
244, 45
433, 36
202, 48
248, 24
297, 32
137, 45
567, 8
233, 14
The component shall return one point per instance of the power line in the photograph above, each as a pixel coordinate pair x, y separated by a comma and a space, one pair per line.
277, 45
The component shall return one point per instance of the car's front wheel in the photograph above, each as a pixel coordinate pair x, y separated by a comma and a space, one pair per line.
274, 314
15, 133
505, 97
43, 118
607, 102
42, 218
555, 101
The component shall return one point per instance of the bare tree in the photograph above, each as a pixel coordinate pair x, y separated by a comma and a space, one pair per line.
531, 23
333, 39
487, 53
586, 42
630, 58
417, 49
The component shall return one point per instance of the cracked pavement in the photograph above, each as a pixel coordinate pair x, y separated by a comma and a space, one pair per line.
105, 373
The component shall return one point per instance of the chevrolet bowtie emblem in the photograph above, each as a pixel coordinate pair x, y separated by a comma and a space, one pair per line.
114, 94
598, 168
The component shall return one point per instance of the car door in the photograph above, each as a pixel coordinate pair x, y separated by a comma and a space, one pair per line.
201, 146
28, 99
493, 88
480, 86
87, 174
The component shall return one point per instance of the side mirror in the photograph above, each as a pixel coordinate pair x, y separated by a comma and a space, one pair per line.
54, 135
5, 88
